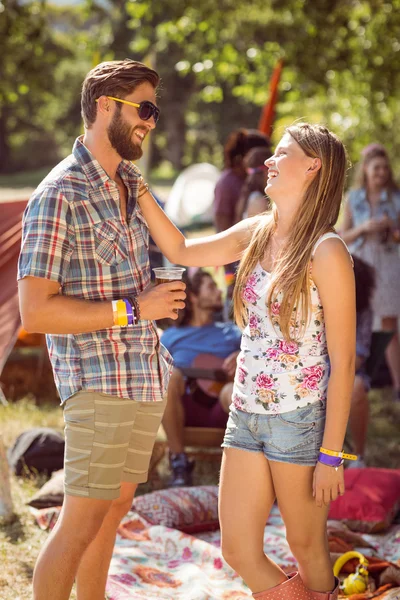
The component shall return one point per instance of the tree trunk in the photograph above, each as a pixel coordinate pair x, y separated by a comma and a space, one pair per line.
6, 506
5, 151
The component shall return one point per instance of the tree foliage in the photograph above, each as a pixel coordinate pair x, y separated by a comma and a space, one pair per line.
216, 61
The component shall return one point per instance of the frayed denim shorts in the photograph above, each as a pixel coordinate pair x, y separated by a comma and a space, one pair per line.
293, 437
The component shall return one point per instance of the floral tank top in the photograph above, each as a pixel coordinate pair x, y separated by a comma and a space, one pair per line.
272, 375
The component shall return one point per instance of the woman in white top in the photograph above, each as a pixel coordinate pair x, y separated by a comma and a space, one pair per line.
295, 299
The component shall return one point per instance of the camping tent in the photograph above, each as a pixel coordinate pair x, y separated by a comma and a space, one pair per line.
10, 243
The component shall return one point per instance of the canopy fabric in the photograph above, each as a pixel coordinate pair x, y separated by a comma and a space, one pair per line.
10, 243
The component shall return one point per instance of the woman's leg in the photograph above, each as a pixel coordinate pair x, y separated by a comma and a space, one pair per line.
359, 416
393, 351
305, 524
245, 501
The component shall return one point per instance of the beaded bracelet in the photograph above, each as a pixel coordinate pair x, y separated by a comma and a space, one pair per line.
135, 305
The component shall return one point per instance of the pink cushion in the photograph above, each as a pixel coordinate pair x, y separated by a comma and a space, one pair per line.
189, 509
371, 500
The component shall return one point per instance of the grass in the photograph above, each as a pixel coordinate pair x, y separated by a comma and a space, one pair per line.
24, 179
21, 540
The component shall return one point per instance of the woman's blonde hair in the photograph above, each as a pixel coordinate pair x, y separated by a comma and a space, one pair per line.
317, 214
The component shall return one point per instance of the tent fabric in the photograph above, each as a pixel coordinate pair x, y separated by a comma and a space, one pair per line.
10, 243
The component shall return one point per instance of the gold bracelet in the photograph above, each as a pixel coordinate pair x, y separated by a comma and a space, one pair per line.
143, 189
339, 454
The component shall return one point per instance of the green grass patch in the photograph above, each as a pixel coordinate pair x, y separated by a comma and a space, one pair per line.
21, 540
24, 179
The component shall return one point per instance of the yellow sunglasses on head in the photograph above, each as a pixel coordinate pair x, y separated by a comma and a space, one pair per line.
146, 109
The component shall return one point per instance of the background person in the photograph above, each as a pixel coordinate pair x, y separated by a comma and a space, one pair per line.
371, 228
253, 199
229, 188
196, 333
359, 411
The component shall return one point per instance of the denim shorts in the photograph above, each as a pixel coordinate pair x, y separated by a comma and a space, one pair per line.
292, 437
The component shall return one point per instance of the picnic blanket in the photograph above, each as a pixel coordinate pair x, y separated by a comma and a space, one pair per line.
159, 563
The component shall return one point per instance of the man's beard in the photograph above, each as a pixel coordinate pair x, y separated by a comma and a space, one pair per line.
120, 136
213, 307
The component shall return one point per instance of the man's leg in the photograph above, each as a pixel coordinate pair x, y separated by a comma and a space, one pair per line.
57, 565
173, 423
225, 396
174, 417
93, 569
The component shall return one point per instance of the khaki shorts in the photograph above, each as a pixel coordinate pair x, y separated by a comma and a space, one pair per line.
107, 440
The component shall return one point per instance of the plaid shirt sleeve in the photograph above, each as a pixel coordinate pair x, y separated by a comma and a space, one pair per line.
47, 236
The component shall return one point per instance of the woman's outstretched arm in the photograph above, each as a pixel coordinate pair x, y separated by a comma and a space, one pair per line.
214, 250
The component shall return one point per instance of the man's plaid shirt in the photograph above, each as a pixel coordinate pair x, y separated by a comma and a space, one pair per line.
73, 233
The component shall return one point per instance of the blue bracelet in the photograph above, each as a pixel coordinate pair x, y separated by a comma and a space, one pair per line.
129, 311
330, 461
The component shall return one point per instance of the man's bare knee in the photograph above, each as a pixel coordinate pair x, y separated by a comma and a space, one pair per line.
122, 505
82, 518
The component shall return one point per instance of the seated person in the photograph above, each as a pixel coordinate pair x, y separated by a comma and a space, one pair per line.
359, 411
196, 333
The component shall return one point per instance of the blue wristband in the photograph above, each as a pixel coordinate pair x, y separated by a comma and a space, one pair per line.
129, 311
330, 461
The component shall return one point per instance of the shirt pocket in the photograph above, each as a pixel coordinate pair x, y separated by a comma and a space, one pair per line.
110, 246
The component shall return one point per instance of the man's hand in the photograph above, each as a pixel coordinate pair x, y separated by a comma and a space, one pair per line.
162, 301
229, 364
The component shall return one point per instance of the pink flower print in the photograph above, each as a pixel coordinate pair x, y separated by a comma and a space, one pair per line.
252, 280
275, 308
253, 322
273, 353
187, 553
315, 371
249, 295
288, 347
264, 381
241, 375
311, 383
218, 564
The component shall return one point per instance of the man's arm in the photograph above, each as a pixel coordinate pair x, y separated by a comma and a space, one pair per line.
44, 310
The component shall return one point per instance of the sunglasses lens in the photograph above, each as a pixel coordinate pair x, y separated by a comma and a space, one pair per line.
148, 110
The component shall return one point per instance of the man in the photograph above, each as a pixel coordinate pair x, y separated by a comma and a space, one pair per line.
195, 335
83, 276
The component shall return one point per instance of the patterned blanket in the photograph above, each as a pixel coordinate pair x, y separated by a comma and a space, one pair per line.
159, 563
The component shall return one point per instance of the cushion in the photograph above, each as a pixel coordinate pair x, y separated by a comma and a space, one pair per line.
51, 493
39, 450
371, 500
189, 509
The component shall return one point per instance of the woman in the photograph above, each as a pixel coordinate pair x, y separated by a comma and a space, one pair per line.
295, 298
371, 228
253, 200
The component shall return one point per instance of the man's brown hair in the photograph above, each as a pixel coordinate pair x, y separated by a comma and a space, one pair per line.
113, 78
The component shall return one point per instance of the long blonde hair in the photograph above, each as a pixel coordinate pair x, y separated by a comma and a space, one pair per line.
317, 214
